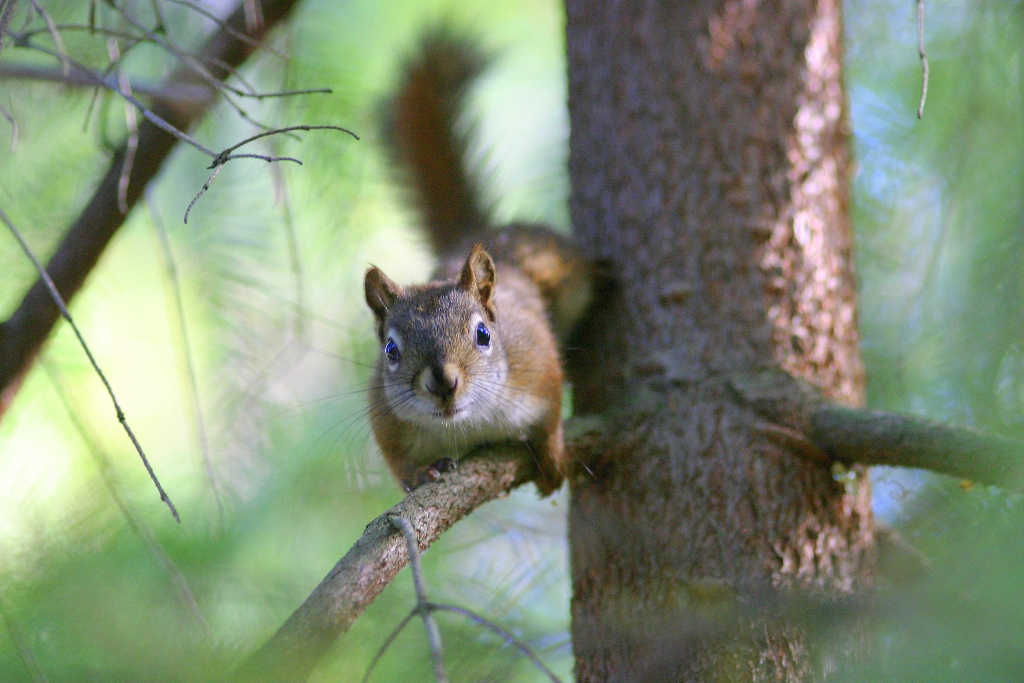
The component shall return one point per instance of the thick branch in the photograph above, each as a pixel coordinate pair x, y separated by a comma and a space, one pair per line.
24, 332
875, 438
371, 564
800, 420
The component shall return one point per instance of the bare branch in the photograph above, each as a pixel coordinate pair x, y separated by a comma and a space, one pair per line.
199, 9
372, 563
7, 8
509, 638
181, 92
195, 62
924, 58
14, 127
422, 603
131, 123
57, 299
203, 189
387, 644
226, 156
149, 114
58, 42
278, 131
253, 15
876, 438
24, 332
818, 430
31, 33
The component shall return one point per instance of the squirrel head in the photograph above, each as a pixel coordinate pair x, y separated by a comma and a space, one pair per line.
441, 351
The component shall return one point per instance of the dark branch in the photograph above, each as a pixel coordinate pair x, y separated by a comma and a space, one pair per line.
25, 331
371, 564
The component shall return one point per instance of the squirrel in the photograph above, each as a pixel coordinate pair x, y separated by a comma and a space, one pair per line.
470, 358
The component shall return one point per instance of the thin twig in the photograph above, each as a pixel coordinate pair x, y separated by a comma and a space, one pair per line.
7, 8
193, 63
422, 603
90, 233
509, 638
132, 144
287, 93
253, 15
387, 643
14, 127
193, 377
58, 42
32, 33
28, 658
179, 92
277, 131
202, 191
261, 157
228, 29
135, 522
226, 156
148, 114
59, 301
924, 58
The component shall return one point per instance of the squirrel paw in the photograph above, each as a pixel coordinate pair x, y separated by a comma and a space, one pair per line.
429, 473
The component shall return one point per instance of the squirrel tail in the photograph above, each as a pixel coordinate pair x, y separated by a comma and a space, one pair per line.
427, 139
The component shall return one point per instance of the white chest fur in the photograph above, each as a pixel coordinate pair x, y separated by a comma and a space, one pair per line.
506, 414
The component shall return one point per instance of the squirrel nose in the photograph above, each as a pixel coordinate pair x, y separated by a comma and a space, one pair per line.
441, 381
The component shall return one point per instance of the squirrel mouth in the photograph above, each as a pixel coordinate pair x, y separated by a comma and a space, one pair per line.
447, 413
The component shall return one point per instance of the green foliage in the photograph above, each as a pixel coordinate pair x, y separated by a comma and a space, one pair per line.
281, 347
939, 224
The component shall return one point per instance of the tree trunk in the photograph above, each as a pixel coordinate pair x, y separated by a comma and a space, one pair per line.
709, 168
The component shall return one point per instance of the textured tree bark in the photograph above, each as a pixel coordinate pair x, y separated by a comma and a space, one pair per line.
709, 167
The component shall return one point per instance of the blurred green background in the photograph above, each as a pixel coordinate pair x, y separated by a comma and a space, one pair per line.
101, 584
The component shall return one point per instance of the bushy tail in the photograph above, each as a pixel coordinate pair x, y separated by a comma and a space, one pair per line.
426, 136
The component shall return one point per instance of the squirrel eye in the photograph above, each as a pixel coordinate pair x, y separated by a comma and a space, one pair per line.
483, 337
392, 352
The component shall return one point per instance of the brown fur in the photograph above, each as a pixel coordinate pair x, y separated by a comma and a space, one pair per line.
447, 394
434, 322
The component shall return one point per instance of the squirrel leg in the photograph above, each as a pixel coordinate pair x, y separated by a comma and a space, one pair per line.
548, 452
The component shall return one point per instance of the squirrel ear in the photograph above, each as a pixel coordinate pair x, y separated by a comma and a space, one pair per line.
381, 292
478, 278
